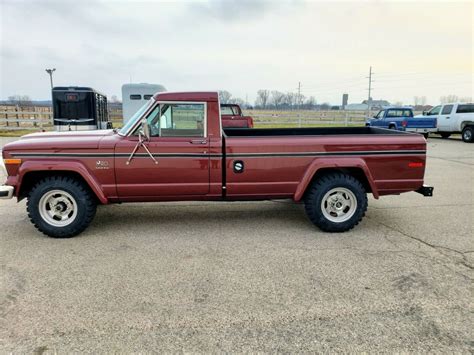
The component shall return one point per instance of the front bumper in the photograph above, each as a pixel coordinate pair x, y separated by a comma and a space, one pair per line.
6, 192
426, 191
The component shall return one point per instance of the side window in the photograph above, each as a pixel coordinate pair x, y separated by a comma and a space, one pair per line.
180, 120
395, 113
447, 109
469, 108
380, 114
434, 111
147, 97
135, 97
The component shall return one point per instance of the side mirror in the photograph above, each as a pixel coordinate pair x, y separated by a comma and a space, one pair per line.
145, 129
425, 113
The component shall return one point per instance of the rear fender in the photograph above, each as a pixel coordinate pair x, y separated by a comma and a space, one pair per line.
336, 163
48, 166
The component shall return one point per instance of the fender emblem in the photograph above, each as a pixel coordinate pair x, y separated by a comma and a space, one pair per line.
101, 164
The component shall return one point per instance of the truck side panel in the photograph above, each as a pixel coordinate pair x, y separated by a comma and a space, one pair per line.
276, 166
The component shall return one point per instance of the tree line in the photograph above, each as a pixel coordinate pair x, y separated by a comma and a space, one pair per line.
275, 99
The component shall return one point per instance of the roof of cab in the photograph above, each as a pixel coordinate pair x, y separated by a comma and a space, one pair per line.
187, 96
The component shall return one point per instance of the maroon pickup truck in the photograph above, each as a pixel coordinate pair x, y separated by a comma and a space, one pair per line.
175, 149
232, 117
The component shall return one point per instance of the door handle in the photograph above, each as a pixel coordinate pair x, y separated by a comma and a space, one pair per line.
198, 141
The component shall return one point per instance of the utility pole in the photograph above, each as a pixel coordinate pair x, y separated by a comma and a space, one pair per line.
369, 99
298, 103
50, 72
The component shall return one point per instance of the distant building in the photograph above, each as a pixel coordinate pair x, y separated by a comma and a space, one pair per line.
377, 104
134, 96
345, 99
356, 107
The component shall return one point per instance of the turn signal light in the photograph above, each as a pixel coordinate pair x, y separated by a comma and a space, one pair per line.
12, 161
415, 165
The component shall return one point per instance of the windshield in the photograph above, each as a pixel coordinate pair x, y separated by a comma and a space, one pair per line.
123, 131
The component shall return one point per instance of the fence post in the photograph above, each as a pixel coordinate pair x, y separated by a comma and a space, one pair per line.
346, 118
17, 108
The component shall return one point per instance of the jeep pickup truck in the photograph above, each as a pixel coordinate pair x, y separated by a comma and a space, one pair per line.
232, 117
401, 118
174, 149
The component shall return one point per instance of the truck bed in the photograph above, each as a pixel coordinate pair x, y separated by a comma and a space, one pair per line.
316, 131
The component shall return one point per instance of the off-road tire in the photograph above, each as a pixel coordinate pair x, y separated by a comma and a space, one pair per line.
392, 127
316, 193
468, 134
445, 135
426, 135
85, 201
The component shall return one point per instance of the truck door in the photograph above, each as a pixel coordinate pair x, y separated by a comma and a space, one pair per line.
444, 118
180, 148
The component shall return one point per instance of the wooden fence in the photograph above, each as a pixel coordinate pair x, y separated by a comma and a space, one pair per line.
40, 118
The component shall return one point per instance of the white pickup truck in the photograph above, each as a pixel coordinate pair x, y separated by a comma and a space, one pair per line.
454, 118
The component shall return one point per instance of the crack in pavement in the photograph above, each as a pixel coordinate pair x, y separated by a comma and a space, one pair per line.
435, 247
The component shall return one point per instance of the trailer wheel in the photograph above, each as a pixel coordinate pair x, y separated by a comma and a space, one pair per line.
61, 207
468, 134
445, 134
336, 202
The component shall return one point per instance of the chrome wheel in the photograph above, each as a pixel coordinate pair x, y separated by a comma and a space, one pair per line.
467, 135
58, 208
339, 204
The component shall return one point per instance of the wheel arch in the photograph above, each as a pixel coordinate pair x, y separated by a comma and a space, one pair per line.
355, 167
31, 172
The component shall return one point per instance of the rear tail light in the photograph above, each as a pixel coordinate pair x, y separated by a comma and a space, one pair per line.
404, 123
415, 164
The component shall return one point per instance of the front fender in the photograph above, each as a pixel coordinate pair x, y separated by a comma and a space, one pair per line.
77, 167
335, 163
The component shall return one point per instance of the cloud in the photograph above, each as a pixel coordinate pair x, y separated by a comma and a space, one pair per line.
239, 10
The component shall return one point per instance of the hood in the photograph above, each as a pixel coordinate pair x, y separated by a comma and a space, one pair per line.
59, 140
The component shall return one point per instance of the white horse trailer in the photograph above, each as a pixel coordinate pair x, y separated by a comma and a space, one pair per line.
134, 96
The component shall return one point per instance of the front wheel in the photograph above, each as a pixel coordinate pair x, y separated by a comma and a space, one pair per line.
468, 134
61, 207
336, 202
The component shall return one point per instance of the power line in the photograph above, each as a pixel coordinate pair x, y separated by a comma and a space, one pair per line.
370, 89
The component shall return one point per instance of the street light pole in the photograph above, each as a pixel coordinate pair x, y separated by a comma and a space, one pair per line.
50, 72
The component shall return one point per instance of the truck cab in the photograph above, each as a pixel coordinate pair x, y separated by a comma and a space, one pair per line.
232, 117
402, 119
454, 118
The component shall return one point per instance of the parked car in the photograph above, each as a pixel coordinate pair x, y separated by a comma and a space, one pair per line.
174, 149
232, 117
401, 118
454, 118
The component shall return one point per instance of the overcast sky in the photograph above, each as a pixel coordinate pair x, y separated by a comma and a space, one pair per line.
415, 48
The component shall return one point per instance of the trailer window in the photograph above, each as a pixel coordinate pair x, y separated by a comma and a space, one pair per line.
135, 97
147, 97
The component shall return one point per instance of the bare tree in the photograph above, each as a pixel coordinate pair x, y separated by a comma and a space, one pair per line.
114, 99
224, 97
466, 99
277, 98
325, 106
262, 98
416, 100
20, 100
237, 101
423, 100
448, 99
310, 103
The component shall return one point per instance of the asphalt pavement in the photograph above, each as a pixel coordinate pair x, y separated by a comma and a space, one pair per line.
249, 276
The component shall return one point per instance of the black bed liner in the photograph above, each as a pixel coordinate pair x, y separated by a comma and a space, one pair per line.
316, 131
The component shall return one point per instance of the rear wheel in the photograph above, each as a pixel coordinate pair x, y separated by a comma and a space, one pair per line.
336, 202
392, 127
61, 207
468, 134
445, 134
